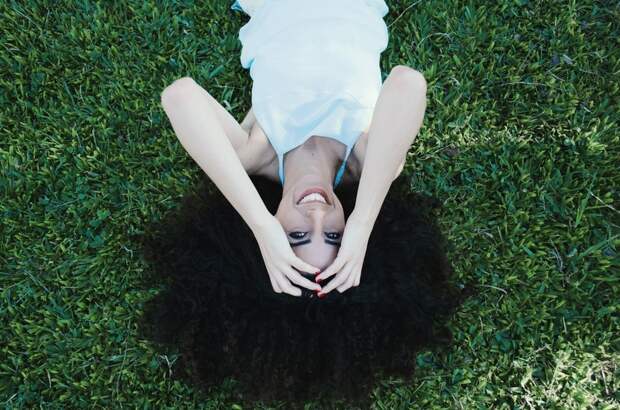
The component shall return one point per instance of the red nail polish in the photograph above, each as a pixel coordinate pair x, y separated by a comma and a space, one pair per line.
321, 295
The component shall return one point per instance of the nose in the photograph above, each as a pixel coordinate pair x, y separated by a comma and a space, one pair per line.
316, 208
317, 213
318, 216
316, 205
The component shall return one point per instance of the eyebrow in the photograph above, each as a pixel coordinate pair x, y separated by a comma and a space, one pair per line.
293, 244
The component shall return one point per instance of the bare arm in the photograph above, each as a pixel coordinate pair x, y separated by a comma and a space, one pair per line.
201, 134
248, 121
397, 118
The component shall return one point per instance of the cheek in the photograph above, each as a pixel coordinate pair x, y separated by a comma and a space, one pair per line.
283, 211
284, 218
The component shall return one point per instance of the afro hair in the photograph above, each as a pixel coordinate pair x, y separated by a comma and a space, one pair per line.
219, 310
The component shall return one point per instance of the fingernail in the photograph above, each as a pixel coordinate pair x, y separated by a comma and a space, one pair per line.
317, 272
321, 295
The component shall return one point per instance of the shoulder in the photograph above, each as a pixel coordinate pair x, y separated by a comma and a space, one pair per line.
355, 163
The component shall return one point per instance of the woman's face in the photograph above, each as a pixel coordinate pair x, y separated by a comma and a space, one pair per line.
314, 229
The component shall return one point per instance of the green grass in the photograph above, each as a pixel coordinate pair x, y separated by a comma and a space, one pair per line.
520, 142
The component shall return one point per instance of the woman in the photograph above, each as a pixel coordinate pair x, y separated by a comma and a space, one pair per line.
321, 120
318, 102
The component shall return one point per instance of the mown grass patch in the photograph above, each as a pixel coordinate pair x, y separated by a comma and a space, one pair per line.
520, 142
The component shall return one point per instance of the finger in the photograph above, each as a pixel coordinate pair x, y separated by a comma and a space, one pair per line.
343, 287
332, 269
347, 284
274, 284
302, 266
286, 286
337, 281
296, 278
357, 273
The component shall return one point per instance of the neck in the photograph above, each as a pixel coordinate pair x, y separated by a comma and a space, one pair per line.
314, 163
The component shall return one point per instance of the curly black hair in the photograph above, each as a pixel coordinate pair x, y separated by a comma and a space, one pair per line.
220, 311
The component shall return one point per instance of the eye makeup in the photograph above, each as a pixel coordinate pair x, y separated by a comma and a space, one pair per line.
293, 244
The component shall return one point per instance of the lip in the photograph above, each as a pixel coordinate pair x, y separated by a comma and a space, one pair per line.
312, 191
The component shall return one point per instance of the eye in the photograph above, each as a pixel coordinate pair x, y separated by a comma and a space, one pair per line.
333, 235
294, 236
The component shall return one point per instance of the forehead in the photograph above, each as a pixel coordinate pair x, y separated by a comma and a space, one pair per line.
317, 253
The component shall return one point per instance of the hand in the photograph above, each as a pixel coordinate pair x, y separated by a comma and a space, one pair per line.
350, 256
279, 256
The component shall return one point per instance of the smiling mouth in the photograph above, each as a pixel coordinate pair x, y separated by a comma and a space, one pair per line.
315, 191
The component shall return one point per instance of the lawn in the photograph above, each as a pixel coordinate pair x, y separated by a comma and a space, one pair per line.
520, 143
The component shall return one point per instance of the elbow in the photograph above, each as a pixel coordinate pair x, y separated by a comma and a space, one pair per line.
177, 92
409, 78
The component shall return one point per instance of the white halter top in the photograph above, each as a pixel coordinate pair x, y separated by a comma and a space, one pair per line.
315, 68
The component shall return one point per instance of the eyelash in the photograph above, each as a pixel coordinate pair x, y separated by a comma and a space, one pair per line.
304, 234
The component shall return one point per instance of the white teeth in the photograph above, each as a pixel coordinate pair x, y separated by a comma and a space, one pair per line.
313, 197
